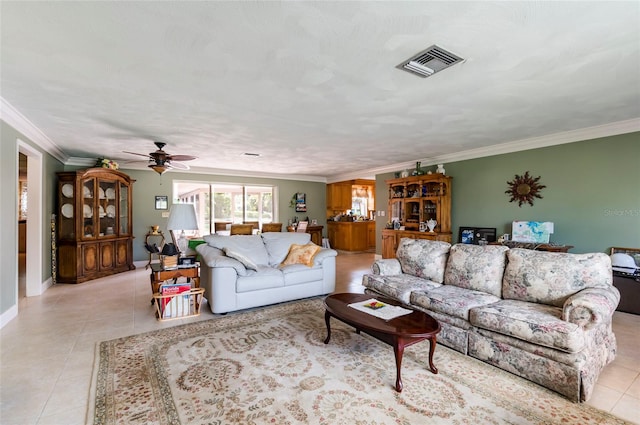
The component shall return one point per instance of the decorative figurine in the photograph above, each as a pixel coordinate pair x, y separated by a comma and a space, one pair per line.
440, 169
432, 224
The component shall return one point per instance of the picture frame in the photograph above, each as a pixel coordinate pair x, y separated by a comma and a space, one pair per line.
473, 235
162, 202
466, 235
301, 202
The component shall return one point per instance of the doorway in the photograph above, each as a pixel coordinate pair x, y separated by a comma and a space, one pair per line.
33, 263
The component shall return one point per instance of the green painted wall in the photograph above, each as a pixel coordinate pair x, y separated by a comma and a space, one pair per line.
8, 217
592, 194
9, 212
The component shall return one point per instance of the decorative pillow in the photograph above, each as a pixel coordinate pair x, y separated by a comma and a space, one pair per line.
423, 258
301, 254
243, 258
277, 244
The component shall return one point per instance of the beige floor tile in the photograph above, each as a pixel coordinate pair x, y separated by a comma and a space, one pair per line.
604, 398
68, 393
617, 377
73, 416
634, 389
628, 408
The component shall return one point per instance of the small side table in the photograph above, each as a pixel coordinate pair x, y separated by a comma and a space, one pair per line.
159, 275
153, 239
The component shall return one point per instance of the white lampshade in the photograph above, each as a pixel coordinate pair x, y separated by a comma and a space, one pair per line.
182, 217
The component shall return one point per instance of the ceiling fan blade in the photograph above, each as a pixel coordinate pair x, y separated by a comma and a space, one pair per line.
181, 157
135, 153
178, 166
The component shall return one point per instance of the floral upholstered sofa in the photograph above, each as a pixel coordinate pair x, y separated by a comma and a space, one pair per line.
543, 316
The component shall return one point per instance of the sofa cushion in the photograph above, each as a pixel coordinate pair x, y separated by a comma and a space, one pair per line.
452, 300
265, 277
536, 323
278, 243
249, 246
295, 274
301, 254
398, 286
552, 277
423, 258
476, 267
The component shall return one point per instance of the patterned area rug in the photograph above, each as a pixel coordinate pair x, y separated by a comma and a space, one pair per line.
271, 366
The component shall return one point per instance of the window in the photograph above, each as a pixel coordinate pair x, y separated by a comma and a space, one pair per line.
219, 204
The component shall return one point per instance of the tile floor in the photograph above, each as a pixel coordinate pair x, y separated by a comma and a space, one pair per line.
47, 352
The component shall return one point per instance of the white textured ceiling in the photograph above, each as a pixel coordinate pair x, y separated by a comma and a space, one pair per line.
312, 86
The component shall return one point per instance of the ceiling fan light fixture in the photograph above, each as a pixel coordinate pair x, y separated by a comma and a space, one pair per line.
160, 169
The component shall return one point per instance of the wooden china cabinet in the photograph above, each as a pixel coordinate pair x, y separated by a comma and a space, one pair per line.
94, 224
414, 200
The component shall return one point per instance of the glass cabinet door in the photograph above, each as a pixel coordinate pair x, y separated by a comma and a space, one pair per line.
66, 221
430, 211
107, 207
124, 209
88, 206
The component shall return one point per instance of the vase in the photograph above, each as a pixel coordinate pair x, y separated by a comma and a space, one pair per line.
417, 171
431, 223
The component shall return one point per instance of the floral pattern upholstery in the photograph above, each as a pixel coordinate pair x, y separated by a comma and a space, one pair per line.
543, 316
591, 306
398, 286
544, 371
423, 258
386, 266
476, 267
537, 323
552, 277
452, 300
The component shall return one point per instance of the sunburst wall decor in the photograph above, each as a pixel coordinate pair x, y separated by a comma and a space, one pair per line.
524, 188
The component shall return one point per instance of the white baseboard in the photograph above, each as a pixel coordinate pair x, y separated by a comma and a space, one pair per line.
8, 316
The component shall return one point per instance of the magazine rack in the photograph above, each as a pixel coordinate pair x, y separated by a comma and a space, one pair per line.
178, 306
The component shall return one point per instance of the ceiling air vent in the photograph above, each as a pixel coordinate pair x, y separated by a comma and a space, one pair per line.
430, 61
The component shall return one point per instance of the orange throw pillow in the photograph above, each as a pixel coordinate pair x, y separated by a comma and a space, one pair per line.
301, 254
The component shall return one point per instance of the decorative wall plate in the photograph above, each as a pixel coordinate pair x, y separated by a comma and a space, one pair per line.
110, 193
67, 210
87, 192
101, 193
111, 210
67, 190
87, 211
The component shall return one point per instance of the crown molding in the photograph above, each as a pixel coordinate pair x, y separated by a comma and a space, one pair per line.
572, 136
19, 122
235, 173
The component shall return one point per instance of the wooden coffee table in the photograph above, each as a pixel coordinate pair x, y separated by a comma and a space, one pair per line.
399, 332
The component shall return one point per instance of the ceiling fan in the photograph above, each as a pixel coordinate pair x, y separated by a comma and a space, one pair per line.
161, 161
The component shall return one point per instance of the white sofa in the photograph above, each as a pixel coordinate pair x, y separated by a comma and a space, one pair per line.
540, 315
244, 271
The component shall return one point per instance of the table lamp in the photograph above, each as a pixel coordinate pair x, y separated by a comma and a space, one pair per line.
182, 217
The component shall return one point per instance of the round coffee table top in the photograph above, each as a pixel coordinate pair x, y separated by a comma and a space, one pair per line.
414, 324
